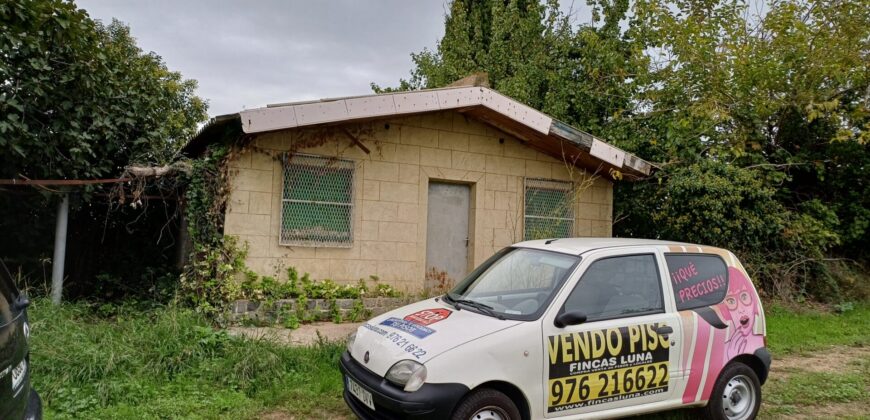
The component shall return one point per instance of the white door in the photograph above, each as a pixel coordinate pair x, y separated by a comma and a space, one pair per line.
626, 351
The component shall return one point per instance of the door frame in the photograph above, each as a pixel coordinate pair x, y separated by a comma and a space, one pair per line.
475, 204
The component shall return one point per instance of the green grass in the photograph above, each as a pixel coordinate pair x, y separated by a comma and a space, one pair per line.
167, 362
791, 330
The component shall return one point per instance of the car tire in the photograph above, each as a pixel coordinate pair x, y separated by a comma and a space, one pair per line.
736, 396
486, 404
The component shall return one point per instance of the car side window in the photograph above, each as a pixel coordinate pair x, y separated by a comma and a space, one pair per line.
617, 287
697, 279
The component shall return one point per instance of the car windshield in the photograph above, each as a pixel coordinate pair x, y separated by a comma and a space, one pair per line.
516, 283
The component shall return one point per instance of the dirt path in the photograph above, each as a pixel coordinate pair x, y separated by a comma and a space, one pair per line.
826, 384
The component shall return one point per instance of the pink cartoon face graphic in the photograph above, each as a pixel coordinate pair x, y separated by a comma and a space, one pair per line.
740, 310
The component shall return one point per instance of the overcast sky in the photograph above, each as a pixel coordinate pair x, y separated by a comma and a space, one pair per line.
246, 54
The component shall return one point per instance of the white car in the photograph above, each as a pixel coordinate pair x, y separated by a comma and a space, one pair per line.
570, 328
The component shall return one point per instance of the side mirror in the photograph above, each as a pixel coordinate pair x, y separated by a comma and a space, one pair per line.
569, 318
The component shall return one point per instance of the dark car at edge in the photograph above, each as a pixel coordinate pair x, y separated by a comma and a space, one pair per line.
17, 399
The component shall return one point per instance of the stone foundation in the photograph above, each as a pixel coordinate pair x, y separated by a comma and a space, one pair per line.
318, 309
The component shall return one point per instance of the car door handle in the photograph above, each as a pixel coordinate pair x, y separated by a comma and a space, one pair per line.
665, 330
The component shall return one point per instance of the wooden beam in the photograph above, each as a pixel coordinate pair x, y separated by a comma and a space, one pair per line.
356, 141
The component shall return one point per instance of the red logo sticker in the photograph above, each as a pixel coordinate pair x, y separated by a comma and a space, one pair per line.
428, 316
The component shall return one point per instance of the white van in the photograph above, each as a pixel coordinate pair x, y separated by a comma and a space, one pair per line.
570, 328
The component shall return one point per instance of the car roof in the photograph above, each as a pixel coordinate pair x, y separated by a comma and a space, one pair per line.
580, 245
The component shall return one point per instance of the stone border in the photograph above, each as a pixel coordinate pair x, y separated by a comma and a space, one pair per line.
319, 309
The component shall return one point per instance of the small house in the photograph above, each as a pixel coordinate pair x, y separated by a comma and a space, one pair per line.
416, 188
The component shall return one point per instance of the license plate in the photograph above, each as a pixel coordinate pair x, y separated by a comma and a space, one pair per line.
18, 374
360, 393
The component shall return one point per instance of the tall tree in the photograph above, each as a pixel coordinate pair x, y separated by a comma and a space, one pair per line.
79, 99
759, 122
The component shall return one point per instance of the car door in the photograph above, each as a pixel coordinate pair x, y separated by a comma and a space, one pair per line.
626, 351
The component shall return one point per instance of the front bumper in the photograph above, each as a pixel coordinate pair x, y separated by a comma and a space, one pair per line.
431, 401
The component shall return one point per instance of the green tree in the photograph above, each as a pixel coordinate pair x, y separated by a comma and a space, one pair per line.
79, 99
759, 123
779, 99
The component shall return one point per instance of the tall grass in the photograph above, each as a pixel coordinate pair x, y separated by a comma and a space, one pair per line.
167, 362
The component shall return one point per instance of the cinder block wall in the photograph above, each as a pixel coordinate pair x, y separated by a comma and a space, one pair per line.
391, 194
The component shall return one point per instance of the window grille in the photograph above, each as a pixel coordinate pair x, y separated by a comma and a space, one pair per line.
549, 209
317, 202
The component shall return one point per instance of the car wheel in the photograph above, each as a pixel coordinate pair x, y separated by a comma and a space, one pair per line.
736, 396
487, 404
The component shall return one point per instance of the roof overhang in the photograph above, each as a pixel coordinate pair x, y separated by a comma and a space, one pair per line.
536, 129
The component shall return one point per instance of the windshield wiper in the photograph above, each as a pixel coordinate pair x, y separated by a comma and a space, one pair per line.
482, 307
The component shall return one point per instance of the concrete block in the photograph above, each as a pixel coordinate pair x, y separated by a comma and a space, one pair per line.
381, 171
239, 201
452, 140
263, 161
468, 161
252, 180
437, 120
417, 136
246, 224
515, 148
468, 125
496, 182
351, 270
435, 157
406, 251
409, 173
371, 190
366, 230
258, 246
485, 145
489, 200
408, 154
242, 160
399, 193
397, 232
505, 165
536, 169
337, 253
379, 210
385, 152
494, 219
378, 250
260, 203
504, 200
408, 213
279, 140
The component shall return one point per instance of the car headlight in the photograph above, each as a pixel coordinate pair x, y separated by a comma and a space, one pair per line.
350, 340
407, 373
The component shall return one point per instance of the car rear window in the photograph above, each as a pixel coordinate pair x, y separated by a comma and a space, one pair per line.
697, 279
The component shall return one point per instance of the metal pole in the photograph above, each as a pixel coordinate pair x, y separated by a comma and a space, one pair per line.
59, 250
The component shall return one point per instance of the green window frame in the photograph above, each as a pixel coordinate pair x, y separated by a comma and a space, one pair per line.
549, 209
317, 201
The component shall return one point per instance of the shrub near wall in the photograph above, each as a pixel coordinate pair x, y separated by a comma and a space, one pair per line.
268, 301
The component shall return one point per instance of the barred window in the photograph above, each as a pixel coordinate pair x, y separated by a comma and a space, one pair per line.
317, 202
549, 210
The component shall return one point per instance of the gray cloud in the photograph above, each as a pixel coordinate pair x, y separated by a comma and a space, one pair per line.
248, 54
